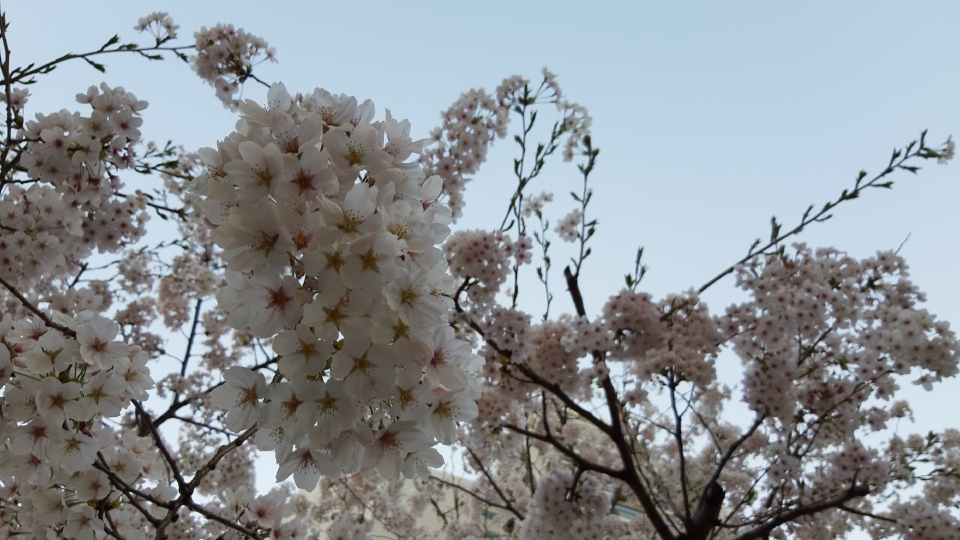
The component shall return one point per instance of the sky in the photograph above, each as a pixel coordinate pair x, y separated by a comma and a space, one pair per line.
710, 116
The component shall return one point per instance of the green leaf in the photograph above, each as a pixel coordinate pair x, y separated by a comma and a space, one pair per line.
774, 229
96, 66
110, 42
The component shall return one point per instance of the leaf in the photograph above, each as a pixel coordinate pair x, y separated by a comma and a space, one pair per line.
111, 41
99, 67
774, 229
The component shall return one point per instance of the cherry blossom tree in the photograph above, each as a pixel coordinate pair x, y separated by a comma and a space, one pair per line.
331, 317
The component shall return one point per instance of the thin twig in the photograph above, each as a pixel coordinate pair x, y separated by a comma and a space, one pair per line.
508, 507
43, 316
493, 483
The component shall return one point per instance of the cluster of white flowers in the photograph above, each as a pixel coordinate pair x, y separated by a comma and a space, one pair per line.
469, 127
483, 257
857, 320
161, 22
651, 342
58, 388
330, 237
534, 205
225, 59
922, 520
857, 323
75, 205
551, 353
475, 120
330, 224
568, 228
555, 512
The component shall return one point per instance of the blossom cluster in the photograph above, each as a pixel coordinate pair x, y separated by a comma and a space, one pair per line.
330, 239
557, 513
478, 118
161, 23
59, 386
857, 323
225, 57
824, 339
390, 335
469, 127
74, 201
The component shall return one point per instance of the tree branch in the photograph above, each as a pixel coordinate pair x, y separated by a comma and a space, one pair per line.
508, 507
629, 475
493, 483
43, 316
763, 531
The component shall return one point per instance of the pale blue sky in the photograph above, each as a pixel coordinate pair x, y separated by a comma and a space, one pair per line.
710, 117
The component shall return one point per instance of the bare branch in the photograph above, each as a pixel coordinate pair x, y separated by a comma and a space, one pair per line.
508, 507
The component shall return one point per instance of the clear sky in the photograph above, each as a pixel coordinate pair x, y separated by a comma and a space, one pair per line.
710, 116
